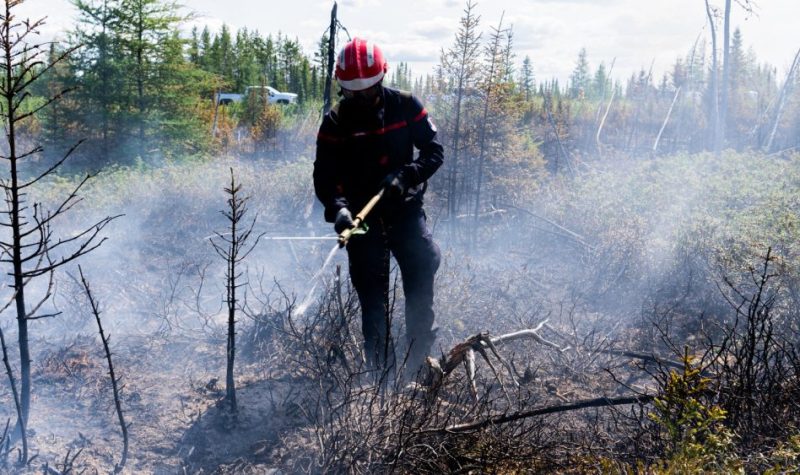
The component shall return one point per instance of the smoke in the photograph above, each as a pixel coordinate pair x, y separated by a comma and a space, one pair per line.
607, 251
626, 239
642, 227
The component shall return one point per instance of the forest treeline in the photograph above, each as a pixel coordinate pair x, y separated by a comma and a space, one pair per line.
141, 91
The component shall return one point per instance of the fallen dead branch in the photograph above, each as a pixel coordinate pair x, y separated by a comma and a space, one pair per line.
464, 353
561, 230
506, 418
644, 357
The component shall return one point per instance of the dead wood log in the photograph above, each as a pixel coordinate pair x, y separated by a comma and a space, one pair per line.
644, 357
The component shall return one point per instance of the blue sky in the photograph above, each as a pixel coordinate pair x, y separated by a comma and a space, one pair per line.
551, 32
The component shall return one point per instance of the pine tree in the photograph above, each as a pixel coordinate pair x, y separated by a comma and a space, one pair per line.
205, 49
526, 78
741, 105
100, 64
579, 80
143, 28
507, 74
678, 76
194, 47
175, 127
599, 83
460, 67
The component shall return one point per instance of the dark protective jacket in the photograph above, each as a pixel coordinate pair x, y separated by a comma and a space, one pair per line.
357, 149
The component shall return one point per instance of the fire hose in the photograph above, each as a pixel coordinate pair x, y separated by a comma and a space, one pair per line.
345, 235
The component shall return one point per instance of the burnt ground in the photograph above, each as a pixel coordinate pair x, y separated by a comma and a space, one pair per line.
172, 402
173, 367
174, 388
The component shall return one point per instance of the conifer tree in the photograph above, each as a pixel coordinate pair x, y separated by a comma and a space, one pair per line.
580, 80
526, 78
460, 67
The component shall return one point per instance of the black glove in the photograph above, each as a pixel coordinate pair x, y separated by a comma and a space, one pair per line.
394, 185
344, 220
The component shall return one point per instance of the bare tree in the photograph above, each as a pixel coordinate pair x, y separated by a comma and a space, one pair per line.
719, 141
234, 248
31, 250
666, 119
782, 97
493, 54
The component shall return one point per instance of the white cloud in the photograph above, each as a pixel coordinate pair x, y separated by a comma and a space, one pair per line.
551, 32
360, 3
435, 29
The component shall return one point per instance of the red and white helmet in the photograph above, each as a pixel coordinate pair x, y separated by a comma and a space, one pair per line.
360, 65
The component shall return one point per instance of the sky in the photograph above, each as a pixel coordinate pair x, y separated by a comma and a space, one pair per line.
551, 32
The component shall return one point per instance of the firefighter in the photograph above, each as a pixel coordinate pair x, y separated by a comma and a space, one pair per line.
367, 143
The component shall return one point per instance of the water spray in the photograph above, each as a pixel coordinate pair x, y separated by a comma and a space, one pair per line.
302, 238
359, 227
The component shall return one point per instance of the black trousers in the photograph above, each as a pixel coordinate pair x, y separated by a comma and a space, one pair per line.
404, 233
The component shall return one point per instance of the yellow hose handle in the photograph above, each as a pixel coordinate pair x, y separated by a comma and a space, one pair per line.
345, 235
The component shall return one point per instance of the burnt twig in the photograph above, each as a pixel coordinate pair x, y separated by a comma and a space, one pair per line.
114, 381
516, 416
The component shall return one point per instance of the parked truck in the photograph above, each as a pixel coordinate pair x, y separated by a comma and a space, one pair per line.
273, 95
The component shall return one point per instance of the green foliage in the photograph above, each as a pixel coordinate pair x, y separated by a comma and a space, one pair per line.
580, 79
247, 58
693, 429
138, 97
785, 458
144, 92
526, 78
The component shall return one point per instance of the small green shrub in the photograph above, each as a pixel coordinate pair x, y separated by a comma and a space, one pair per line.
692, 428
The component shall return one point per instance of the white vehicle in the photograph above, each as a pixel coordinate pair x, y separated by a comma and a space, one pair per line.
274, 96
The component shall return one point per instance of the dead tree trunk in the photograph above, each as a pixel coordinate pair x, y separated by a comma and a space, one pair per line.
603, 122
12, 382
326, 95
33, 251
715, 119
785, 90
666, 119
